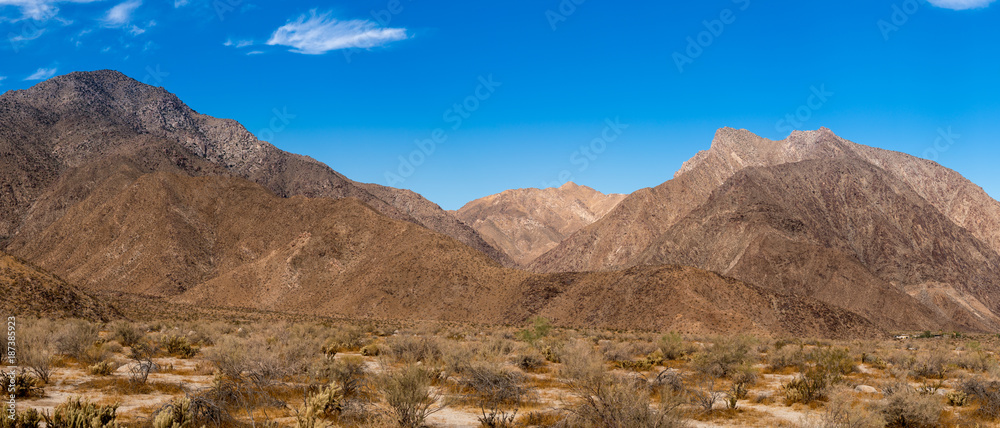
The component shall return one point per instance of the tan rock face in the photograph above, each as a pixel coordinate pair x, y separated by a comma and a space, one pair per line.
525, 223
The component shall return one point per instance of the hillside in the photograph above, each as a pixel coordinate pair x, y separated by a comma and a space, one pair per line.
525, 223
27, 291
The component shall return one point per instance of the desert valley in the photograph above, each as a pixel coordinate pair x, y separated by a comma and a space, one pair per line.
166, 268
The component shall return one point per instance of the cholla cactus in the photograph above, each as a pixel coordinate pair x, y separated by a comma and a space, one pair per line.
326, 402
177, 414
76, 413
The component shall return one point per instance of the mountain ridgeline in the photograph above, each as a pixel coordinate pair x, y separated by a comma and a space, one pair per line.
116, 188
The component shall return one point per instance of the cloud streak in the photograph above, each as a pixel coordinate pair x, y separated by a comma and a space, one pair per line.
121, 14
39, 10
961, 4
317, 34
42, 74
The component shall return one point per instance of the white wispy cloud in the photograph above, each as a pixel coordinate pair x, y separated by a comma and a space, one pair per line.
180, 3
42, 74
961, 4
40, 10
238, 43
316, 34
255, 52
2, 78
121, 13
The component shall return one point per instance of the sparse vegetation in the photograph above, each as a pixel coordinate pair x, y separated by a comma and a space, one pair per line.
320, 375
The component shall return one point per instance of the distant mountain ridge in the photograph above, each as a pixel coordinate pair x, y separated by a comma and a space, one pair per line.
814, 215
525, 223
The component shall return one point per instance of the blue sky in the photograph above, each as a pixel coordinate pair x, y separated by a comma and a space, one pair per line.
515, 93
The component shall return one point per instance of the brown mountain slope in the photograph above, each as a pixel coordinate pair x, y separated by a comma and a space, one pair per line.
28, 291
525, 223
224, 241
72, 120
618, 239
845, 232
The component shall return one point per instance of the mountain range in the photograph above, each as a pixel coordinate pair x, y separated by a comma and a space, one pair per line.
115, 188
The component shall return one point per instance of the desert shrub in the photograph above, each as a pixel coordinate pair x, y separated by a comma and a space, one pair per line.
496, 348
412, 349
126, 333
23, 385
986, 394
806, 387
77, 413
37, 348
103, 368
349, 338
785, 356
498, 393
615, 352
908, 409
141, 356
834, 362
931, 365
673, 347
408, 393
540, 327
706, 392
178, 346
843, 410
371, 350
724, 356
581, 363
976, 360
349, 373
456, 357
29, 418
638, 365
75, 338
529, 360
620, 403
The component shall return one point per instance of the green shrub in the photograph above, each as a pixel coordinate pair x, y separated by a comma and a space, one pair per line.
724, 356
76, 413
540, 327
178, 346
